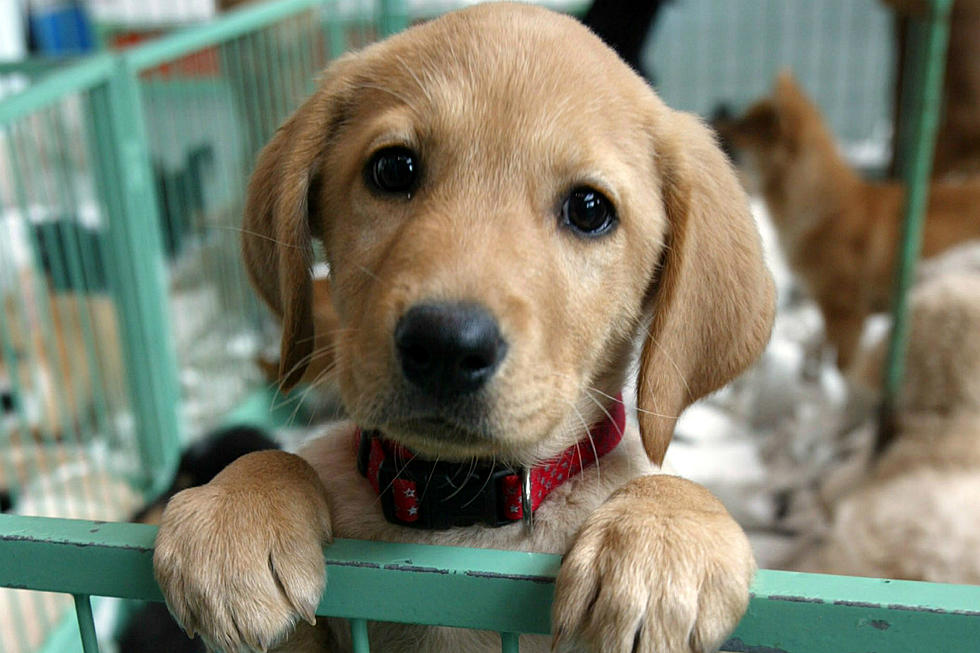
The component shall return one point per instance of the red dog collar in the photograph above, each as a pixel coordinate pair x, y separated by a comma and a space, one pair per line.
440, 495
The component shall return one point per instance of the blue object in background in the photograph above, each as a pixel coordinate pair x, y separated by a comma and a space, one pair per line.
60, 28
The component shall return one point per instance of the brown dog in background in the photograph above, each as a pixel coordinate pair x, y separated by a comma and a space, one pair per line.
838, 231
501, 245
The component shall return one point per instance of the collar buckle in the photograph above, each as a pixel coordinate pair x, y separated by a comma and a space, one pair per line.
527, 513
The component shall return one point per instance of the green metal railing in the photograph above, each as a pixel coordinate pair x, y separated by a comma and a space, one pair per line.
87, 167
925, 59
506, 591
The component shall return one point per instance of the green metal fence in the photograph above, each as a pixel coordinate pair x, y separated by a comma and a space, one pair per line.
841, 51
506, 591
121, 182
127, 326
69, 445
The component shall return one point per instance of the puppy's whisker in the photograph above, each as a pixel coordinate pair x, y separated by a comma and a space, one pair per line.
598, 403
319, 352
308, 358
428, 479
397, 475
595, 453
589, 388
324, 373
618, 400
671, 360
466, 477
258, 235
370, 273
588, 435
329, 332
295, 412
585, 426
315, 385
301, 399
478, 493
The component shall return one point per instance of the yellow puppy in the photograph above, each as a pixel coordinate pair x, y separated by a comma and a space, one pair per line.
510, 216
914, 514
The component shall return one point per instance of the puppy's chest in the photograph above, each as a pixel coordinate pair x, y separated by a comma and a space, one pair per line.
356, 510
356, 513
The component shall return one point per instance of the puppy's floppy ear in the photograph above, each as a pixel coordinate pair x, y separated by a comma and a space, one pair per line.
278, 226
713, 298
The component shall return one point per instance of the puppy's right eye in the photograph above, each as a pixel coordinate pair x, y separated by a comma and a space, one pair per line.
393, 170
588, 212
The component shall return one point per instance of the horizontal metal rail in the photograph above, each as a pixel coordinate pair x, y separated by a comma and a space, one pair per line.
230, 26
507, 591
37, 64
54, 87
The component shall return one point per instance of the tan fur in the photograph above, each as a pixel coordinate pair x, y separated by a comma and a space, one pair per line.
496, 110
914, 516
838, 231
320, 365
54, 369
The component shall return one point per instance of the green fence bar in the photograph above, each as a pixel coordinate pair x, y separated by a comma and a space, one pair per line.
86, 623
359, 636
922, 102
393, 15
135, 251
232, 25
507, 591
52, 88
817, 613
509, 643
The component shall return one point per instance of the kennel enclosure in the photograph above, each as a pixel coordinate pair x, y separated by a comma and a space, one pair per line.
121, 182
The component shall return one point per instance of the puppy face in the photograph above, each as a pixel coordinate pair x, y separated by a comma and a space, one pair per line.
503, 222
497, 218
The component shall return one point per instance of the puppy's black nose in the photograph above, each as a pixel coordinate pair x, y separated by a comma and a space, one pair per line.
448, 350
7, 403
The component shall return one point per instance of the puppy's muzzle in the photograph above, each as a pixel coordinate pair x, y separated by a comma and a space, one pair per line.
448, 350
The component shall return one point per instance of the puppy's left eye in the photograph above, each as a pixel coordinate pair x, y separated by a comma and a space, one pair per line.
393, 170
588, 211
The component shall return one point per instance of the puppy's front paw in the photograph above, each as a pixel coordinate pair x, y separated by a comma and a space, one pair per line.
240, 560
661, 567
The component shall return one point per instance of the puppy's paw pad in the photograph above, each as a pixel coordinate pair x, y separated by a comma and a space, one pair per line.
637, 581
240, 571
